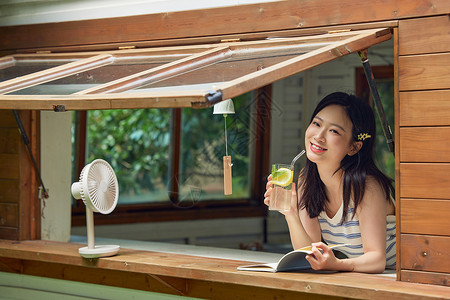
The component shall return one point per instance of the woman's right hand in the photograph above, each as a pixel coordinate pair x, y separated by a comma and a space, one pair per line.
269, 186
294, 202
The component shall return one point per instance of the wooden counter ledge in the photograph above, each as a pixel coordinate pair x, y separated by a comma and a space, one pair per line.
201, 277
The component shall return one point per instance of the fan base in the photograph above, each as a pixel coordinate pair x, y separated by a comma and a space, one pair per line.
99, 251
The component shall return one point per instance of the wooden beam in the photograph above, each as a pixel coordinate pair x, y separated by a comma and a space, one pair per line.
271, 16
102, 101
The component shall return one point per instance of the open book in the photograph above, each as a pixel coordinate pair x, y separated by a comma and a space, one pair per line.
294, 260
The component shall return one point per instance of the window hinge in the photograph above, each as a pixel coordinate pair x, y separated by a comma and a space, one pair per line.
338, 31
230, 40
126, 47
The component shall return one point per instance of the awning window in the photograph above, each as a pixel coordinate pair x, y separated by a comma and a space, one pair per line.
188, 76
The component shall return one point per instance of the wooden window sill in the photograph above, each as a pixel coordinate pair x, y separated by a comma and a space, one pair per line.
197, 276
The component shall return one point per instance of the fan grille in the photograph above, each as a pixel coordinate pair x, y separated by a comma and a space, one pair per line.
102, 187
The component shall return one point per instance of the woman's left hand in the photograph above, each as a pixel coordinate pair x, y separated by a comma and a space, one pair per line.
322, 257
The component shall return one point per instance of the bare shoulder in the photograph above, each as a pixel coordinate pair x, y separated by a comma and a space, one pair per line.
375, 196
374, 188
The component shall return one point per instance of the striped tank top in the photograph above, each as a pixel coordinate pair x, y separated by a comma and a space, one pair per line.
349, 233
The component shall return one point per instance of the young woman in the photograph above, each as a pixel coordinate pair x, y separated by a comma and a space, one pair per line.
343, 198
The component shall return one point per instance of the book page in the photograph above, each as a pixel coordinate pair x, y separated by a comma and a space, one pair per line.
294, 260
269, 267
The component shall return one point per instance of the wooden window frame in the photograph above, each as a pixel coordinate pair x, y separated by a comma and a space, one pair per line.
301, 53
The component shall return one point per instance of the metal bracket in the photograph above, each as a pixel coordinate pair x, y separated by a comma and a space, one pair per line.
363, 54
214, 97
59, 108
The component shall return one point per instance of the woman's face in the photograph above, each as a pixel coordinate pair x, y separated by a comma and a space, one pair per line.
328, 139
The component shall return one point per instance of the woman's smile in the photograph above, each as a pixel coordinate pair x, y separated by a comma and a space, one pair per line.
317, 149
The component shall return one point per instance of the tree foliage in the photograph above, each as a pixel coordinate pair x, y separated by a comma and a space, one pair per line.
134, 142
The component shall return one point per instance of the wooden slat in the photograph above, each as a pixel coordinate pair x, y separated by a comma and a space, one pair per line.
426, 277
6, 62
271, 16
396, 150
9, 191
425, 180
9, 214
425, 108
424, 144
9, 140
10, 166
425, 253
29, 203
103, 101
7, 119
424, 216
424, 35
213, 272
10, 233
424, 72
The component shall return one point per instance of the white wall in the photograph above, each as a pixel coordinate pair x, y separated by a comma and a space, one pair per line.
56, 168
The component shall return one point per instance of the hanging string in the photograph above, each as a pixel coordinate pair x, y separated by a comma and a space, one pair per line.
226, 139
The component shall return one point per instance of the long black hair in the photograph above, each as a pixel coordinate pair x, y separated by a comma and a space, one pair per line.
356, 167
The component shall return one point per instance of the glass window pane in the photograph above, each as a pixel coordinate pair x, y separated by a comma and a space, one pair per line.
120, 68
241, 61
136, 144
21, 68
203, 148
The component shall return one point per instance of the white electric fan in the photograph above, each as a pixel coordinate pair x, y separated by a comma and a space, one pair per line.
99, 190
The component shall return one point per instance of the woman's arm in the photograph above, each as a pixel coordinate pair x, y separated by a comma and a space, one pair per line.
302, 229
372, 221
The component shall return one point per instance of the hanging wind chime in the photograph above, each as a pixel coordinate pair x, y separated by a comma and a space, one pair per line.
226, 107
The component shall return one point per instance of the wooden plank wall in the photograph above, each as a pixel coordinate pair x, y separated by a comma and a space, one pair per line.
9, 175
424, 149
19, 205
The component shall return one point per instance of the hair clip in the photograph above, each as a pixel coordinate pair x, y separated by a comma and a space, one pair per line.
363, 136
